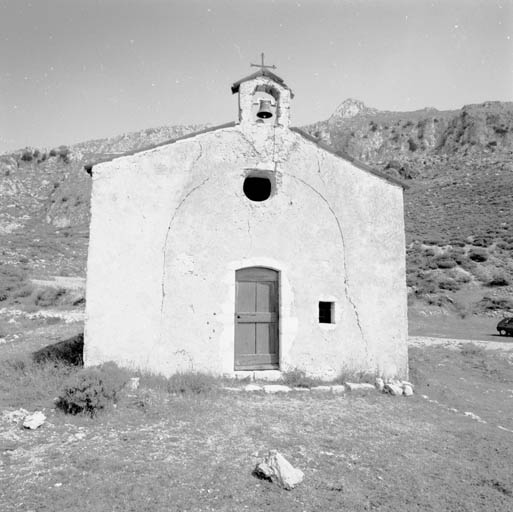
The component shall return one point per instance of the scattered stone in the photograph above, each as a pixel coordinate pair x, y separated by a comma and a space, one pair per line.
338, 389
276, 388
380, 384
407, 390
133, 384
474, 416
35, 420
276, 468
393, 389
321, 388
360, 386
14, 416
252, 387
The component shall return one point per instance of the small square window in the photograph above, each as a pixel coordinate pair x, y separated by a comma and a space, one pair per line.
326, 312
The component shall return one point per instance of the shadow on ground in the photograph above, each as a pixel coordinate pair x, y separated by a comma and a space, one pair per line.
67, 351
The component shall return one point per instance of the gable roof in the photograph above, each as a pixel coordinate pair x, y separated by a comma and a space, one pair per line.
89, 165
261, 72
345, 156
341, 154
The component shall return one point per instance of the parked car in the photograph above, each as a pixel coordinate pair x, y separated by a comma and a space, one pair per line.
505, 326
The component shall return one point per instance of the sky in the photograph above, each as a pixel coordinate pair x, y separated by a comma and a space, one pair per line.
74, 70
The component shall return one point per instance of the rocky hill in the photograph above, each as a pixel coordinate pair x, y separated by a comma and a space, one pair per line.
458, 165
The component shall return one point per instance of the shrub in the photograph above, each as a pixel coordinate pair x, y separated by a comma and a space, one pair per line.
412, 145
64, 153
26, 156
445, 262
53, 152
498, 280
191, 382
48, 297
68, 352
92, 389
449, 284
496, 303
478, 255
298, 379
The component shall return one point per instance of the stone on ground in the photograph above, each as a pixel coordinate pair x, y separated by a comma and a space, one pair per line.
14, 416
321, 388
276, 388
380, 384
35, 420
252, 387
393, 388
277, 469
360, 386
407, 390
338, 389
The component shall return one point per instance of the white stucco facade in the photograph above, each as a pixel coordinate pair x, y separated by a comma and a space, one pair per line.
171, 226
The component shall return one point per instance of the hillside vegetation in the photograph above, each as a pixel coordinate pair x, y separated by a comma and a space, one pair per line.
458, 207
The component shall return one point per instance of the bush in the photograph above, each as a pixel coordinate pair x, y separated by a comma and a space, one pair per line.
298, 379
26, 156
478, 255
449, 284
496, 303
92, 389
412, 145
498, 280
445, 262
48, 297
181, 383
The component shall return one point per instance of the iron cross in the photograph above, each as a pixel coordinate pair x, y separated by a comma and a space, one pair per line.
263, 66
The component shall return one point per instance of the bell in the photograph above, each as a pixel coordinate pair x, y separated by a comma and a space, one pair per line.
265, 112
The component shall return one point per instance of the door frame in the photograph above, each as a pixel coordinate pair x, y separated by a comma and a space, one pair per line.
259, 366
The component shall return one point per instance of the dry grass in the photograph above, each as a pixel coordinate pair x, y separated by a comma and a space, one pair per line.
161, 449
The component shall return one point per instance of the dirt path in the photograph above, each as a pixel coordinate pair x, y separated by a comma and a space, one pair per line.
420, 341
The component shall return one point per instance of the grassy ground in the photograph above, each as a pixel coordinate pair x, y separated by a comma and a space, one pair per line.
162, 451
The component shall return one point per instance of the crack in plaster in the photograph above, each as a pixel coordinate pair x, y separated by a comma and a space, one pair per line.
346, 282
164, 248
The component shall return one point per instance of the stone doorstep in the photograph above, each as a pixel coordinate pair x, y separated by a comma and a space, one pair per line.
404, 388
280, 388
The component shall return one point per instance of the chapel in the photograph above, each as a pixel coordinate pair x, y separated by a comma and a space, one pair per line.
247, 249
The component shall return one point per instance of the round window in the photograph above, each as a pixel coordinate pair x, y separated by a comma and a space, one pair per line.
256, 188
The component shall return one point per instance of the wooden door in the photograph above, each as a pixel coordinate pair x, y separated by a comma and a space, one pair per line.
256, 319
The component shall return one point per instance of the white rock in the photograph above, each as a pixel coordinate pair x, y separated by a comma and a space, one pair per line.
321, 388
233, 389
14, 416
133, 383
300, 389
35, 420
393, 389
279, 470
407, 390
380, 384
360, 386
252, 387
276, 388
338, 389
406, 383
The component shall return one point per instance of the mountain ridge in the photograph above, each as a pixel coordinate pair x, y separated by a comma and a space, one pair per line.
458, 163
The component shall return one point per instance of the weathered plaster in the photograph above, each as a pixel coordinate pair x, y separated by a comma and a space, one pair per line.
171, 226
